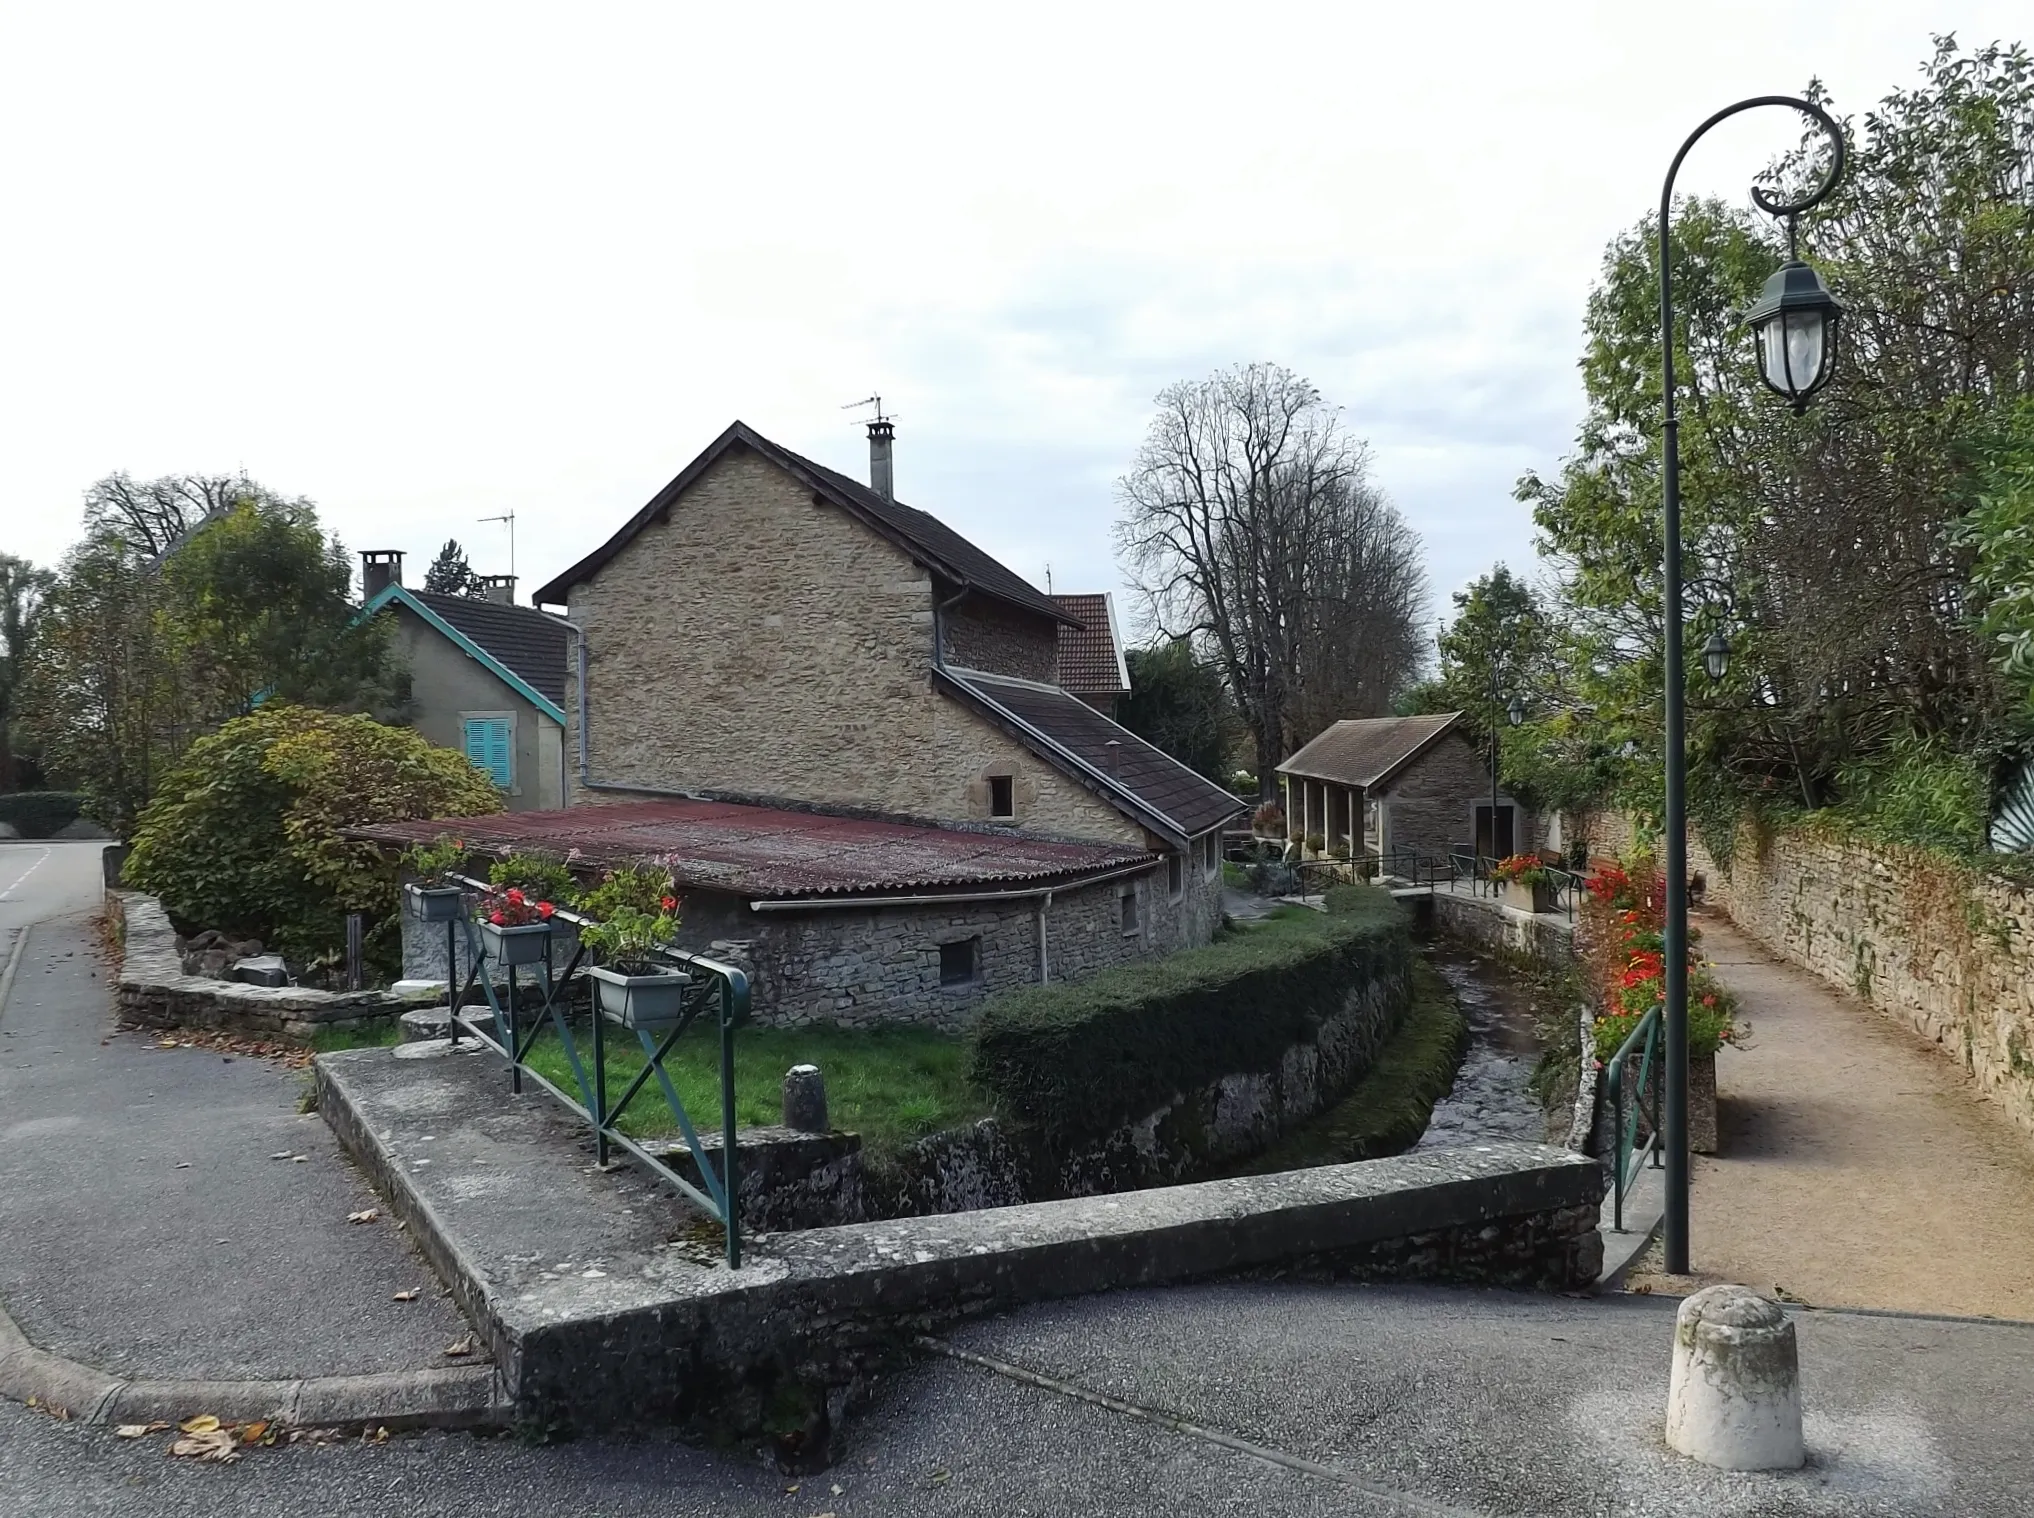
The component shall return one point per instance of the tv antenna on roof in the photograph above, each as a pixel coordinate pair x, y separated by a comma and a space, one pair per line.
509, 517
877, 402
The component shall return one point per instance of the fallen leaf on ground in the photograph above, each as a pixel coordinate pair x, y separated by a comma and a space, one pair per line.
204, 1423
138, 1430
283, 1156
257, 1433
217, 1444
301, 1159
406, 1296
465, 1344
365, 1215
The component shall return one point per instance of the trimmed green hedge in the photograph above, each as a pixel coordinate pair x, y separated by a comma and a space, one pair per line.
40, 814
1085, 1056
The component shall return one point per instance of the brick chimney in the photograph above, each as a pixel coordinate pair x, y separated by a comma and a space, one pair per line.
379, 569
501, 588
882, 432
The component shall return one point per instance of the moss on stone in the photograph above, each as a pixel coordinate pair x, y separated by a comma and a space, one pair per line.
1389, 1108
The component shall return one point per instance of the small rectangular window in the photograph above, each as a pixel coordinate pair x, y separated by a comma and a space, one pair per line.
489, 745
1214, 859
957, 962
1130, 908
1002, 796
1175, 874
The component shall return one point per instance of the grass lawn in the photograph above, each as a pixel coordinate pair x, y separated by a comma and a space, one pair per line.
890, 1085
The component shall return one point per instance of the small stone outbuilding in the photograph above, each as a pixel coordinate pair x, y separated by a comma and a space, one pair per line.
1395, 785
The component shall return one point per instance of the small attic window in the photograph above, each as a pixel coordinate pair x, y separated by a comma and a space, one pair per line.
1002, 797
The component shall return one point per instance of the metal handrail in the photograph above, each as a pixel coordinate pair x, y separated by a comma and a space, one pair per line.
720, 988
1645, 1039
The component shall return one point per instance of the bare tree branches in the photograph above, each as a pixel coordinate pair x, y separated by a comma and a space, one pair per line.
1250, 524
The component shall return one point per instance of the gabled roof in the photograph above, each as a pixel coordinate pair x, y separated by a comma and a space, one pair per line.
1368, 751
522, 647
921, 535
761, 851
1145, 783
1091, 656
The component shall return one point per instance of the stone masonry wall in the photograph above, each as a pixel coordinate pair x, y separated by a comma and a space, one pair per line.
761, 643
1430, 805
986, 635
1949, 954
881, 965
156, 993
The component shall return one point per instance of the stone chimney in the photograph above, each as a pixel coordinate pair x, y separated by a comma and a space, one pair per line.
501, 588
379, 569
882, 432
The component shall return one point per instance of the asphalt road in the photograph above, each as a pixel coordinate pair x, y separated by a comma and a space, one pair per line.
1352, 1400
147, 1227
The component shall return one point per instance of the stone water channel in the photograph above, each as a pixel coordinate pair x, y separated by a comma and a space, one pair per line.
1491, 1098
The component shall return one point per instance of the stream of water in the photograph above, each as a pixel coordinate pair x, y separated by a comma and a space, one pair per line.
1490, 1098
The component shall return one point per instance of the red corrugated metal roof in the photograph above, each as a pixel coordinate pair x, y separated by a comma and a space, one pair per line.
760, 851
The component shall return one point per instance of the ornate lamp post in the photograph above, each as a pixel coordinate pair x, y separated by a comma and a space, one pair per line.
1795, 320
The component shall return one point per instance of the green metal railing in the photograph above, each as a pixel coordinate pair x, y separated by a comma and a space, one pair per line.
719, 990
1640, 1055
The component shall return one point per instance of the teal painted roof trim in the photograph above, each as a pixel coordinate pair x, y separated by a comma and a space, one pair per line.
467, 646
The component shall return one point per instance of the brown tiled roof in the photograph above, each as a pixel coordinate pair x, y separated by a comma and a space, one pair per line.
1367, 751
759, 851
528, 641
1145, 782
1090, 657
923, 536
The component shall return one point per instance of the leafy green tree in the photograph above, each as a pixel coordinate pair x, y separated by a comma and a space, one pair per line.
140, 649
1822, 545
22, 590
451, 575
256, 606
101, 702
1999, 533
246, 832
1178, 703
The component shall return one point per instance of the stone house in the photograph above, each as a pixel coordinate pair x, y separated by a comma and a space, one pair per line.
487, 677
1395, 784
1091, 663
807, 658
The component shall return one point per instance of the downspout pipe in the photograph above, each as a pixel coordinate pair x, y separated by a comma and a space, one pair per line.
939, 611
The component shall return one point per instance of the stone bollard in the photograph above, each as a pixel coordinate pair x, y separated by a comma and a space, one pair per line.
805, 1099
1734, 1399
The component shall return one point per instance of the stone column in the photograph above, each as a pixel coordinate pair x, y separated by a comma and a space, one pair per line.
1734, 1399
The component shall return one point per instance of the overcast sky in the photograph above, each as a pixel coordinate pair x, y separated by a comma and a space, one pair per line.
431, 263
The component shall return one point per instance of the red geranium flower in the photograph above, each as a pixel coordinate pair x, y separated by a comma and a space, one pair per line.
545, 909
495, 918
515, 896
668, 903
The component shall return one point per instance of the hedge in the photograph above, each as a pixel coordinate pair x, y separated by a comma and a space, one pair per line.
1085, 1056
40, 814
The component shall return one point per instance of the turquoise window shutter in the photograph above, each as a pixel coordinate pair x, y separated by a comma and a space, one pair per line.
487, 745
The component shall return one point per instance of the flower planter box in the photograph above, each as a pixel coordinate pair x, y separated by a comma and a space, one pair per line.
652, 1001
1538, 897
526, 945
436, 903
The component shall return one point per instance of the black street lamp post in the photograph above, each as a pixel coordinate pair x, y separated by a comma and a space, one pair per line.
1795, 321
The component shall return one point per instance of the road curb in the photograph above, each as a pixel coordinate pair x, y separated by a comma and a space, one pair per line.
460, 1396
14, 958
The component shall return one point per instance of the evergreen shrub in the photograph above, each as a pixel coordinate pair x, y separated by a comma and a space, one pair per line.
1085, 1056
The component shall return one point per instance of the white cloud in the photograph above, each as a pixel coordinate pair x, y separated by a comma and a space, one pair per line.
425, 263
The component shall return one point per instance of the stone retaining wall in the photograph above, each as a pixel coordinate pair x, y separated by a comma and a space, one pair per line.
155, 992
1490, 924
1946, 951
